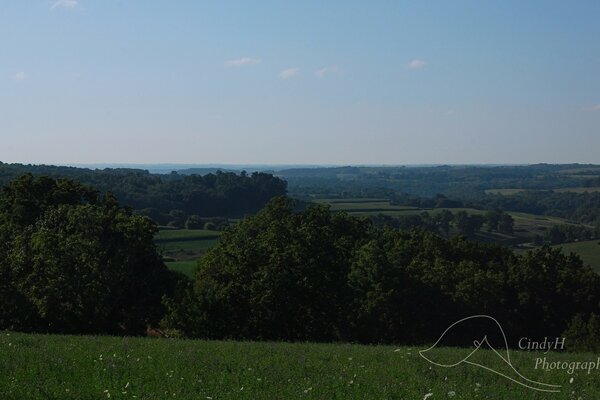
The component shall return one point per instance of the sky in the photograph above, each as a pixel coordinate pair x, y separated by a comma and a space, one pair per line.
299, 82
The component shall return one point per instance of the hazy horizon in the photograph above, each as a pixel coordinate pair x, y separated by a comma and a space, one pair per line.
300, 83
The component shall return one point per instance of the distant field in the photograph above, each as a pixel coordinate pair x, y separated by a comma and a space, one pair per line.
510, 192
40, 367
185, 246
185, 267
352, 200
579, 190
526, 225
504, 192
589, 252
522, 220
171, 235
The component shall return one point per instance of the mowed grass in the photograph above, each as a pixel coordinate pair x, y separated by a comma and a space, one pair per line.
185, 267
589, 251
185, 246
75, 367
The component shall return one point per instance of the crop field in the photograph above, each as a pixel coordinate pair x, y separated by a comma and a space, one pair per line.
579, 190
526, 224
183, 247
78, 367
361, 206
504, 192
589, 251
510, 192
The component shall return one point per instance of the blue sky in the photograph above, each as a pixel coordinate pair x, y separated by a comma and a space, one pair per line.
336, 82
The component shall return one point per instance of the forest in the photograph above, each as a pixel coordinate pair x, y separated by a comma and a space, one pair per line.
169, 198
74, 260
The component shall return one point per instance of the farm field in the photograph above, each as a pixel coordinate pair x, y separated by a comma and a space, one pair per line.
504, 192
185, 267
183, 247
37, 367
589, 251
526, 225
579, 189
510, 192
361, 206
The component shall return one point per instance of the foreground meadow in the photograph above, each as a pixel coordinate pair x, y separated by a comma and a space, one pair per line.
77, 367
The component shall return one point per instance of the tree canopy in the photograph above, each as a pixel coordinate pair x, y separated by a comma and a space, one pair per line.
73, 261
314, 275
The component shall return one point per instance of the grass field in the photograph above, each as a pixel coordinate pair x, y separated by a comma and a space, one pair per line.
74, 367
504, 192
510, 192
185, 267
362, 206
579, 190
589, 251
185, 246
525, 224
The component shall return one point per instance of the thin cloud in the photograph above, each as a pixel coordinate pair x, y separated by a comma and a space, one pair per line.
20, 76
289, 73
323, 72
65, 4
416, 64
596, 107
241, 62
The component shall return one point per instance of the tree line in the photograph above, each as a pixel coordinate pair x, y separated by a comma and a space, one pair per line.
170, 199
446, 222
73, 260
322, 276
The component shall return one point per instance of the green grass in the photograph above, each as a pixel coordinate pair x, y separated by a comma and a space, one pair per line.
185, 267
185, 246
351, 200
526, 225
185, 234
504, 192
579, 190
197, 246
589, 251
37, 367
510, 192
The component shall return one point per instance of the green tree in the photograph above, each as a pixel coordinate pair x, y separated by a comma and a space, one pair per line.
277, 275
75, 262
492, 218
506, 223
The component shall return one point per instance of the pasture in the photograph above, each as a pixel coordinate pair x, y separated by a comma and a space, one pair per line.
182, 247
589, 251
37, 367
511, 192
526, 225
504, 192
579, 190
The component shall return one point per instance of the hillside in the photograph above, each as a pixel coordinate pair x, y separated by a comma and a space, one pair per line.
37, 367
